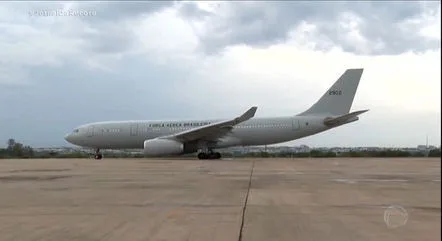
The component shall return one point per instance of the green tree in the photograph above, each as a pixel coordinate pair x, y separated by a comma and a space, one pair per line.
28, 151
11, 144
16, 149
434, 153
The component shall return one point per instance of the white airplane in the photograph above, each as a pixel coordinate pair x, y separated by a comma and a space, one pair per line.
177, 137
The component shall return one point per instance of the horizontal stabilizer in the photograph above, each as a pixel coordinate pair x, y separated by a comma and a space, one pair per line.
343, 119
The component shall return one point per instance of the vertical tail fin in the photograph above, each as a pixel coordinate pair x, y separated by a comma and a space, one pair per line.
338, 99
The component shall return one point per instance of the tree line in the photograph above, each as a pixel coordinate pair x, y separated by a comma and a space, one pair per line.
16, 149
328, 154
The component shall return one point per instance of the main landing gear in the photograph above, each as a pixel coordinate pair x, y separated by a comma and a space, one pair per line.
98, 155
210, 155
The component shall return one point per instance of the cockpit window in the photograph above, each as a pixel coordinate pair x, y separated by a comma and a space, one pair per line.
76, 131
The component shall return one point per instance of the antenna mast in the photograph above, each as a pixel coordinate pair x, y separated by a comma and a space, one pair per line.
426, 145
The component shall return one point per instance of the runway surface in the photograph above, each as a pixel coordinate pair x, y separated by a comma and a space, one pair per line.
239, 199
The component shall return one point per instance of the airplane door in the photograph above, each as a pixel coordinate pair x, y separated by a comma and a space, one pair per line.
90, 131
295, 124
133, 129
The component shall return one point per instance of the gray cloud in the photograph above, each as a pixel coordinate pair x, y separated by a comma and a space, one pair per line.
192, 11
28, 40
110, 33
116, 11
107, 31
260, 24
67, 96
108, 38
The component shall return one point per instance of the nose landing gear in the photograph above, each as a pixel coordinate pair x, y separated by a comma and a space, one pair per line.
98, 155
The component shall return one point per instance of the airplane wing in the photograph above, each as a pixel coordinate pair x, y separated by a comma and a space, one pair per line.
211, 131
350, 117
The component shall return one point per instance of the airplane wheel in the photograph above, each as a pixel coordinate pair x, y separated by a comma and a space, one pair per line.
202, 156
210, 156
214, 155
98, 155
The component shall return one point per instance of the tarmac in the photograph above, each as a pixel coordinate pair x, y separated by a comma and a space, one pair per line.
328, 199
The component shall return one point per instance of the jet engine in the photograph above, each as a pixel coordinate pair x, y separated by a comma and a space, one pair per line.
162, 147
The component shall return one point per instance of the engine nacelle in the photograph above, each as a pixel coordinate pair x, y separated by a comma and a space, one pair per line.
162, 147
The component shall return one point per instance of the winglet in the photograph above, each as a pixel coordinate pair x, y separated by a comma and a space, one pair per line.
247, 115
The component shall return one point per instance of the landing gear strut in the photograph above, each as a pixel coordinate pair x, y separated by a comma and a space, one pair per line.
98, 155
209, 155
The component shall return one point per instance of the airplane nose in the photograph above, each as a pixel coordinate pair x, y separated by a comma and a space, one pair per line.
68, 138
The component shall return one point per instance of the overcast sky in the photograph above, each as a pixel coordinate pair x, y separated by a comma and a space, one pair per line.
188, 60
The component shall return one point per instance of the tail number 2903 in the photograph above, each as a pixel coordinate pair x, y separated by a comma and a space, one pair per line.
335, 92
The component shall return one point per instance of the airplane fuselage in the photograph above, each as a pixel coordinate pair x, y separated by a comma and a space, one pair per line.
257, 131
159, 138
